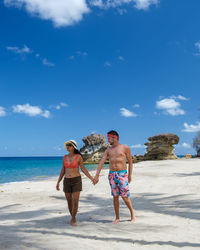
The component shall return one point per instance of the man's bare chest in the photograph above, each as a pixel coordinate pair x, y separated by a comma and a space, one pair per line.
116, 153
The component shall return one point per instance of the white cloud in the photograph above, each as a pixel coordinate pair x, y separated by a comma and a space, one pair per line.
64, 104
57, 148
138, 4
81, 53
31, 110
46, 113
136, 105
180, 97
185, 145
121, 11
197, 45
58, 107
26, 50
44, 60
2, 111
17, 50
121, 58
144, 4
167, 104
69, 12
175, 112
78, 54
127, 113
107, 64
170, 106
47, 63
71, 57
138, 146
60, 12
191, 128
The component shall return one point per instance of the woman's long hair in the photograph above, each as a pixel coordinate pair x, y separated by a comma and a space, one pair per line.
77, 152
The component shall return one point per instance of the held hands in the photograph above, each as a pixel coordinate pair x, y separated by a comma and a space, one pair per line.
95, 179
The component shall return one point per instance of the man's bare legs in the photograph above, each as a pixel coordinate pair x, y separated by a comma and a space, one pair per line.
116, 207
75, 200
128, 203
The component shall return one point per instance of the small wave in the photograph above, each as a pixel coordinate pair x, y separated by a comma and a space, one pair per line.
40, 177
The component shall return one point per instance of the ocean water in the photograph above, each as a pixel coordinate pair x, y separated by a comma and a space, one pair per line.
14, 169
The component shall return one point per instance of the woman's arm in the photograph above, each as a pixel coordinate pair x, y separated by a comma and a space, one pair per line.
84, 170
62, 173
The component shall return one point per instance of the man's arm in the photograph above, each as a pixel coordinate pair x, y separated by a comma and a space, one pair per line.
104, 158
130, 163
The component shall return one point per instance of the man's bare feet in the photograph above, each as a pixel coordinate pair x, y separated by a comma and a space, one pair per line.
133, 219
115, 221
133, 216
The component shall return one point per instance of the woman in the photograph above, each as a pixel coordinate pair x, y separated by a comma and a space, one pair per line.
72, 184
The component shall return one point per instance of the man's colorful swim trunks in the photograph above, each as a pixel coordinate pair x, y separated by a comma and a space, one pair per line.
119, 183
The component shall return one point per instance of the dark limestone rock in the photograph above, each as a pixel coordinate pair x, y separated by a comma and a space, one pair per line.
94, 148
138, 158
160, 147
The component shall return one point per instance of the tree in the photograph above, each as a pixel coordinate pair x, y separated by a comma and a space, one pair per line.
196, 143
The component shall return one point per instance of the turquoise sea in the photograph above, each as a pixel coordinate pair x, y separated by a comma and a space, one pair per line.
14, 169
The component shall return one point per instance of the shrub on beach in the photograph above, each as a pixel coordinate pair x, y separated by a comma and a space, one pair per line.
196, 143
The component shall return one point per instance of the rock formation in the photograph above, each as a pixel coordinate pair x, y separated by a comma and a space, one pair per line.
138, 158
95, 145
188, 156
160, 147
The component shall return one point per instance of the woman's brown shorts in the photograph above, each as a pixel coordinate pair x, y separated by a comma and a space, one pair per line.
71, 185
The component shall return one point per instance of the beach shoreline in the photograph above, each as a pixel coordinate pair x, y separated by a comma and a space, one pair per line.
164, 195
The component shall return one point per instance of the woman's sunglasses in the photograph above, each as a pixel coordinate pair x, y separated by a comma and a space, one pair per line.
68, 145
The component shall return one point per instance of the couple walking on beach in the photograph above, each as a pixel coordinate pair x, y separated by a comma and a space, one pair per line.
118, 177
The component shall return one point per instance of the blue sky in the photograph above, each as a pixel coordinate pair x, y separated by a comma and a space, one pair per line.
71, 68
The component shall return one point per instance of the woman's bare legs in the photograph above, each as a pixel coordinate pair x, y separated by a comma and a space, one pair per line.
75, 200
69, 202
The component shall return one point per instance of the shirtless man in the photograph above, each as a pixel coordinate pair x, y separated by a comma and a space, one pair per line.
118, 177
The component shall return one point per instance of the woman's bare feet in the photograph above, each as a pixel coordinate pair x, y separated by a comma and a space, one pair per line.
73, 223
115, 221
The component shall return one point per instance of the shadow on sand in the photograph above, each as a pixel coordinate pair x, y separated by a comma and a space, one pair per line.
30, 222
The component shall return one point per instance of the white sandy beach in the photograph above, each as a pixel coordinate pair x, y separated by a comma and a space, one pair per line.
165, 196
